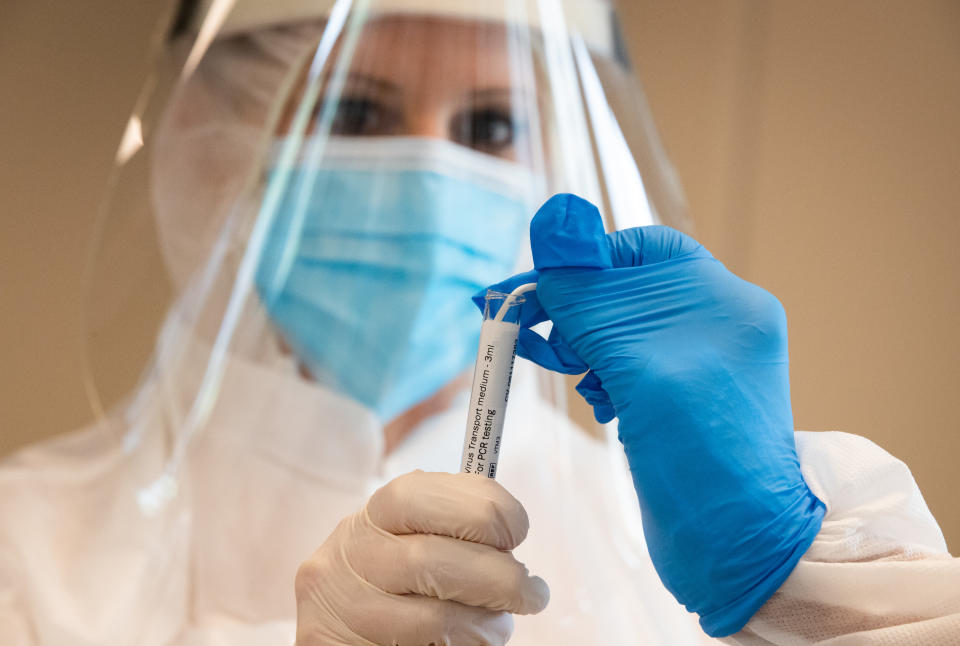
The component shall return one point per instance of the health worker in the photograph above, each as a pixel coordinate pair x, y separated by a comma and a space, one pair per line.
330, 184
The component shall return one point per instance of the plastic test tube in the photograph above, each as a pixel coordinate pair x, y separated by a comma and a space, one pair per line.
491, 381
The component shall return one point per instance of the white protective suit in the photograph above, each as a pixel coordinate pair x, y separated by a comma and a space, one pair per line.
281, 460
79, 564
221, 565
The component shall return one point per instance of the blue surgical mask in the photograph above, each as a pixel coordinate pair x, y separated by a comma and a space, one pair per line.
373, 254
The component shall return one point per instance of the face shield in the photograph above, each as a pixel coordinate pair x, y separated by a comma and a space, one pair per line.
328, 184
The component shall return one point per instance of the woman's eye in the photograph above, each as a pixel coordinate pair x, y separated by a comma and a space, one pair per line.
359, 117
488, 130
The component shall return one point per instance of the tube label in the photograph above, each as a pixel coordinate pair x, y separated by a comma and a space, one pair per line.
488, 397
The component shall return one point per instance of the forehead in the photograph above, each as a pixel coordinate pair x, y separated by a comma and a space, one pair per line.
434, 50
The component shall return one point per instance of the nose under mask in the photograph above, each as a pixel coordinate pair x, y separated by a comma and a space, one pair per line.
372, 256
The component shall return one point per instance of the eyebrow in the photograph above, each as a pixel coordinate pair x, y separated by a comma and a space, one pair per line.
390, 87
489, 92
380, 84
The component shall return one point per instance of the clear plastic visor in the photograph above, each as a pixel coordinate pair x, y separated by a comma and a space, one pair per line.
298, 221
327, 195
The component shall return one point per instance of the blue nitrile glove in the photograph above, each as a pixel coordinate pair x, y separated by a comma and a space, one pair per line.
693, 361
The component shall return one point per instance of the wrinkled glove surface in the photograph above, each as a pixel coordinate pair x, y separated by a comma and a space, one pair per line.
693, 361
426, 561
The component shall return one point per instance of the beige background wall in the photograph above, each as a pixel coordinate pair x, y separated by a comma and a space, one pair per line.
819, 144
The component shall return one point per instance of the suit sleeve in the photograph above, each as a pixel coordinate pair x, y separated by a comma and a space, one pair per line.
878, 571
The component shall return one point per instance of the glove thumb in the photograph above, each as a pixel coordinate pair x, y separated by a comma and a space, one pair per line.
567, 231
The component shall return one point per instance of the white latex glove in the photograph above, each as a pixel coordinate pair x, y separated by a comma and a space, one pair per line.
426, 561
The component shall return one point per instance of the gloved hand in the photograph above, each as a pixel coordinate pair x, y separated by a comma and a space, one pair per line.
426, 561
693, 362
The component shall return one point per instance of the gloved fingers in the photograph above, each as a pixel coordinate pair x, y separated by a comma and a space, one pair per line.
531, 312
552, 353
570, 360
336, 606
459, 505
642, 246
592, 390
447, 568
567, 232
416, 620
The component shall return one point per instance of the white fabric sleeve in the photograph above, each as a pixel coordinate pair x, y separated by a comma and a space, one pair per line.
228, 631
14, 627
877, 573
